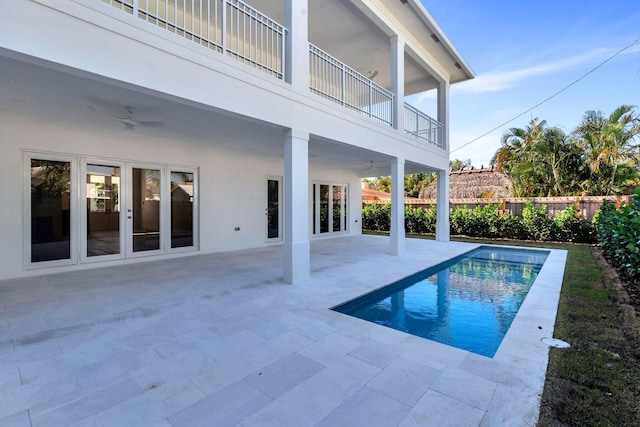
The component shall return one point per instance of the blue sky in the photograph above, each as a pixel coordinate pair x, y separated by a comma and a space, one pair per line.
524, 51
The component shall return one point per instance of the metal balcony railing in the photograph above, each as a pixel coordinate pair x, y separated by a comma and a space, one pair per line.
230, 27
422, 126
340, 83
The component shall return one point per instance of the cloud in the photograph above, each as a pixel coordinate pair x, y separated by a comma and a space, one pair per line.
494, 81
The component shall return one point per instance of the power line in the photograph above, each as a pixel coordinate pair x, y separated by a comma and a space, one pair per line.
636, 41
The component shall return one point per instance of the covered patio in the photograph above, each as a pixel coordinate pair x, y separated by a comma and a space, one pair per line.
219, 339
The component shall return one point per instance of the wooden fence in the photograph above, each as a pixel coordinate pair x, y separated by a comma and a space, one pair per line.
587, 205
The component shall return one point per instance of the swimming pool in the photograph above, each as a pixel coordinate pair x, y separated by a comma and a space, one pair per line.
467, 302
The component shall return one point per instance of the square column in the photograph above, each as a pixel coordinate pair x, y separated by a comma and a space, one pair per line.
397, 81
443, 113
296, 253
296, 20
442, 207
397, 207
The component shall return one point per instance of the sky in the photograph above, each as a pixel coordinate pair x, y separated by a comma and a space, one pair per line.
524, 51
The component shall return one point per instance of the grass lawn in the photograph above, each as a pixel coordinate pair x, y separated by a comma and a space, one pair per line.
596, 382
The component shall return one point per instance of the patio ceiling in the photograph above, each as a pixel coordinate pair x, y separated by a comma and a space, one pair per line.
79, 101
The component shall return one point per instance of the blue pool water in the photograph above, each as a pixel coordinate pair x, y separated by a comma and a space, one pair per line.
467, 302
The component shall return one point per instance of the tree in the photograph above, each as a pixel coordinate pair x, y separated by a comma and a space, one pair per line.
611, 148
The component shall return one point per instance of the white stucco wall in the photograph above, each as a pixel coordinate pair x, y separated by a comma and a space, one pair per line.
232, 180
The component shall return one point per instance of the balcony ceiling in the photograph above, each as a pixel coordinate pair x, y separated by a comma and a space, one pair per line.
343, 29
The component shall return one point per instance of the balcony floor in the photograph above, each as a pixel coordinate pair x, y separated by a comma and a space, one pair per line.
219, 340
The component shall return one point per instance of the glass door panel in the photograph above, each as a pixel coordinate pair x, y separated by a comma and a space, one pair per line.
103, 207
324, 208
182, 199
50, 210
273, 209
337, 207
145, 209
345, 209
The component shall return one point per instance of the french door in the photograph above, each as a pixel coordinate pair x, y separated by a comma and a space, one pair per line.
136, 209
330, 208
85, 209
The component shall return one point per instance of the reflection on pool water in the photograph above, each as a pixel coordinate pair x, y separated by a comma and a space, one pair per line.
467, 302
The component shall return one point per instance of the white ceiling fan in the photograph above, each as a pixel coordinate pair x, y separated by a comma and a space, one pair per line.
127, 120
130, 123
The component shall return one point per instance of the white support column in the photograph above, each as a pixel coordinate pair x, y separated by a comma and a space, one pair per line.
296, 20
296, 251
443, 112
397, 207
397, 81
442, 207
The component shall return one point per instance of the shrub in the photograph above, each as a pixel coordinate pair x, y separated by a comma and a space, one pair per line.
487, 221
376, 216
619, 233
420, 220
537, 223
569, 227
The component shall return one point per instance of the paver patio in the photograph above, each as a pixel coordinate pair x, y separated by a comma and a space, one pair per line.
219, 339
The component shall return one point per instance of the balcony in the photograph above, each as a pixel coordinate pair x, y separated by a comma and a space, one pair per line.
241, 32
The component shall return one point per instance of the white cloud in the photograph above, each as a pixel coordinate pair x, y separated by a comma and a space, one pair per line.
500, 80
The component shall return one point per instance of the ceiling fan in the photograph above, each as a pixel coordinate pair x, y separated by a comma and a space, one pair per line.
130, 123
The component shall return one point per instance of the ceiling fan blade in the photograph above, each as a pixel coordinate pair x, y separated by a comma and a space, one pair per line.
149, 124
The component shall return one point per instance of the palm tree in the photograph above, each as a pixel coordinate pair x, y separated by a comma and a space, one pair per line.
610, 144
533, 157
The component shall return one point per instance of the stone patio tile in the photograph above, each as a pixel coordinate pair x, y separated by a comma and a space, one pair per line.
367, 407
329, 349
30, 353
72, 407
9, 378
91, 421
158, 401
287, 343
468, 388
114, 366
281, 376
404, 380
223, 408
511, 406
314, 399
438, 410
18, 419
376, 354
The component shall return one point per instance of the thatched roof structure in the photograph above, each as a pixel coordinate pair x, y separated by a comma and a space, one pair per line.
471, 183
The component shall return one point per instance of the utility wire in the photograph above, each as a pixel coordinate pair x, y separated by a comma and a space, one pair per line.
636, 41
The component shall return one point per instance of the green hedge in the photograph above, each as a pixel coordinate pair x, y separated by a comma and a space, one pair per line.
619, 233
488, 222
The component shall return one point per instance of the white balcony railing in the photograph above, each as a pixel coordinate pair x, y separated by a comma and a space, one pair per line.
339, 83
422, 126
230, 27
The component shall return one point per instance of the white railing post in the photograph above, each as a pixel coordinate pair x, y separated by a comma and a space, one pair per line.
343, 78
135, 7
224, 26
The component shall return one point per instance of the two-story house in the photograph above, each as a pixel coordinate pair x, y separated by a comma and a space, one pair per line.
143, 129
